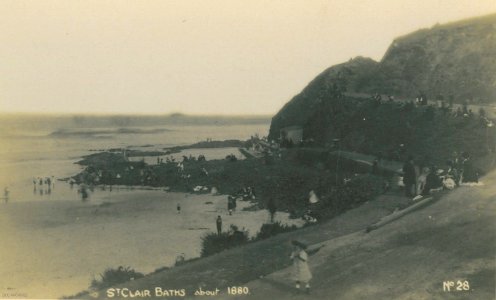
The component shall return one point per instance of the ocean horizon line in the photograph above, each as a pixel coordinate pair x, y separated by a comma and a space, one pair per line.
129, 114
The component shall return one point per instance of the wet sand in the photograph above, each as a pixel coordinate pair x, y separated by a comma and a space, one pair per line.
51, 249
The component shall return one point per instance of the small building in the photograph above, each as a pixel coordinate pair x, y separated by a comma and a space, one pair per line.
292, 133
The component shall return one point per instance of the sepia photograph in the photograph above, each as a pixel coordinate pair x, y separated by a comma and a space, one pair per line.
282, 149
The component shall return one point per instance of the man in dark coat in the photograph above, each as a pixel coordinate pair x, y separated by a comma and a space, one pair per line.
409, 177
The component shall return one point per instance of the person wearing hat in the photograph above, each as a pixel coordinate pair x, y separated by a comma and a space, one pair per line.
301, 271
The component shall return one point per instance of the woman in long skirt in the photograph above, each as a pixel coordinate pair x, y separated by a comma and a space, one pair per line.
301, 271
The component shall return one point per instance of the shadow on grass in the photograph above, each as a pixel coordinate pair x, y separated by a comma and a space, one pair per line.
282, 286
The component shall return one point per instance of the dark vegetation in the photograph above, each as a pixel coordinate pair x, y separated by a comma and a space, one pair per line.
337, 200
394, 130
111, 277
214, 243
271, 229
287, 180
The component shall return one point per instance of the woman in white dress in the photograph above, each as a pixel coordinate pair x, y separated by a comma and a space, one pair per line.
301, 271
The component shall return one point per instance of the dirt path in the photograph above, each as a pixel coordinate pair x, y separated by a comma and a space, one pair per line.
453, 241
387, 165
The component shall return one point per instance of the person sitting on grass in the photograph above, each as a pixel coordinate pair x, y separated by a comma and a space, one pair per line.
453, 173
301, 271
432, 181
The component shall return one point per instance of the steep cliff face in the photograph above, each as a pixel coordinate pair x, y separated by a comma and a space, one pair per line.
297, 111
454, 61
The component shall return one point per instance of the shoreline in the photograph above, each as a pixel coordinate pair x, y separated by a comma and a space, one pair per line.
239, 265
140, 229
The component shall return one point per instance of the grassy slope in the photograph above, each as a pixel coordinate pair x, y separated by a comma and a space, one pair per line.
240, 265
451, 239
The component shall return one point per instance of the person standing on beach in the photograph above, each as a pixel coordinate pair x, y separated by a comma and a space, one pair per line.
230, 204
179, 208
301, 271
219, 225
6, 194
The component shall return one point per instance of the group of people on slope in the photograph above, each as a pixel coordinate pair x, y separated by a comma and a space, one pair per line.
423, 180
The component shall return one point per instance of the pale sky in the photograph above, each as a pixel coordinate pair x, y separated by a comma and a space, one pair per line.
196, 57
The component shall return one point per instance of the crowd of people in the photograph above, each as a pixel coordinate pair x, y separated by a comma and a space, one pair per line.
422, 180
43, 185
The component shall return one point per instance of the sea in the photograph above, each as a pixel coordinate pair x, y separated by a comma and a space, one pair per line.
40, 147
54, 243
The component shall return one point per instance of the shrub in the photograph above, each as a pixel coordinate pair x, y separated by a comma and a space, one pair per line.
268, 230
231, 158
360, 189
214, 243
112, 277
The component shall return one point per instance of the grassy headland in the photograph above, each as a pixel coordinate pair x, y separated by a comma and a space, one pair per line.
391, 130
287, 179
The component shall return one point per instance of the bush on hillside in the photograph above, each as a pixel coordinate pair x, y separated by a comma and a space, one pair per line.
268, 230
360, 189
112, 277
213, 243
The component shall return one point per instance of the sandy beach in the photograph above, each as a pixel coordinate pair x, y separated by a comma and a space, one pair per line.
51, 249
